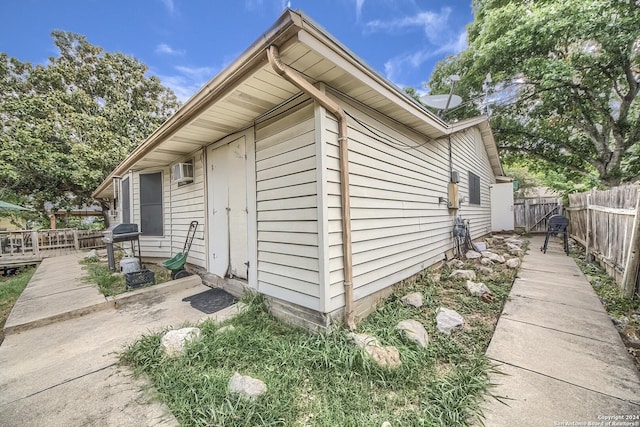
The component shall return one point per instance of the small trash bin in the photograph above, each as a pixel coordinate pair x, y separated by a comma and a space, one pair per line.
129, 265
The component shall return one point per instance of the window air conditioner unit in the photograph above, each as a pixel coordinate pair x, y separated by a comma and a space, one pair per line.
182, 172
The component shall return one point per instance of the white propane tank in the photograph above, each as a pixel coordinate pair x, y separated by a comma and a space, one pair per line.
129, 265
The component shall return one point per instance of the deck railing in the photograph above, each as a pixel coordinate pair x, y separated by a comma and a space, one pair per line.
32, 242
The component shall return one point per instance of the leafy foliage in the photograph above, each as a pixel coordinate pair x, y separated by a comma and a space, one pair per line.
67, 124
565, 79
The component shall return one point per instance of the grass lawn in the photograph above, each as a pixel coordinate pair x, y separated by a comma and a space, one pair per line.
324, 379
616, 304
10, 289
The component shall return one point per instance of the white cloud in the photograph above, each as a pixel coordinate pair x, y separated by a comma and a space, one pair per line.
165, 49
432, 23
188, 80
393, 67
253, 4
359, 4
197, 73
170, 6
458, 44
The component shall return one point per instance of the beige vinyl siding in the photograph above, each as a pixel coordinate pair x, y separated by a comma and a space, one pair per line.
469, 154
287, 212
398, 227
188, 204
154, 246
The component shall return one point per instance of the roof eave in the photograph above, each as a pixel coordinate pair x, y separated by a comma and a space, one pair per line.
288, 23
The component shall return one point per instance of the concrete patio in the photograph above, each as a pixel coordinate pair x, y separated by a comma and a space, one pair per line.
63, 339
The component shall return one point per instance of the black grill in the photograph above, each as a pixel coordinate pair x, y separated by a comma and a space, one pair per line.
121, 233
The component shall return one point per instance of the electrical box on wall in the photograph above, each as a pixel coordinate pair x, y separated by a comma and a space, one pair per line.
454, 201
455, 178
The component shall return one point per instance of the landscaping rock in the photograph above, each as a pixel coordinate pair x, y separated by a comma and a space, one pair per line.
247, 387
490, 241
516, 252
513, 263
414, 331
455, 263
228, 328
477, 289
92, 254
384, 356
498, 237
448, 320
631, 337
473, 255
622, 321
511, 246
386, 424
464, 274
486, 261
493, 257
414, 299
514, 242
173, 342
480, 246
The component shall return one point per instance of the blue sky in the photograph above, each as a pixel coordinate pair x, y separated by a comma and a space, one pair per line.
186, 42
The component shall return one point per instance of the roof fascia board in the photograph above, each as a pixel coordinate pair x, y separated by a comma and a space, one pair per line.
327, 47
465, 124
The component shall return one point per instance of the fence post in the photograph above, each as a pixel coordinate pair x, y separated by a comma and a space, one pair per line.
633, 257
587, 234
35, 241
76, 241
526, 216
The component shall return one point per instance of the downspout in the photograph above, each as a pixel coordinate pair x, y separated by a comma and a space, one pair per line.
301, 83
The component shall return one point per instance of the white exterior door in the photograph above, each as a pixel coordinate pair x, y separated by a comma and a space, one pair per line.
502, 207
227, 206
237, 173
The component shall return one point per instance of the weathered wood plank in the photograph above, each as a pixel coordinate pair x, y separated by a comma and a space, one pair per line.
605, 222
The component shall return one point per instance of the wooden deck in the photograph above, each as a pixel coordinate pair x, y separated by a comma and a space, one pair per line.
26, 259
30, 247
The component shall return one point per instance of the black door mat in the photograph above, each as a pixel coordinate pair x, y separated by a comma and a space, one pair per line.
211, 301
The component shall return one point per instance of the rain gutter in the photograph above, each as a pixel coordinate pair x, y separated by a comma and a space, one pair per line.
301, 83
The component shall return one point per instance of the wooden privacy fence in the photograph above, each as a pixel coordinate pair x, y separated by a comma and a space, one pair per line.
531, 214
32, 242
607, 224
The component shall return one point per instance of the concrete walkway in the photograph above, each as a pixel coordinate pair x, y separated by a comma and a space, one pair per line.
59, 360
562, 360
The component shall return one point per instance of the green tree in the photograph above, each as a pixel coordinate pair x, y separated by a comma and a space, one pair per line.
67, 124
565, 79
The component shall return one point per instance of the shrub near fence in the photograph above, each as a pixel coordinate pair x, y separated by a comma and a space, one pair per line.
606, 223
